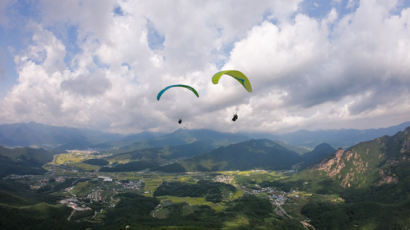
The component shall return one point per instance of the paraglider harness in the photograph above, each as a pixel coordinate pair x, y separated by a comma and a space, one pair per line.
179, 121
235, 117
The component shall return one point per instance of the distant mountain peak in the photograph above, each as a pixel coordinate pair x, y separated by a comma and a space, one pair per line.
323, 145
32, 133
335, 137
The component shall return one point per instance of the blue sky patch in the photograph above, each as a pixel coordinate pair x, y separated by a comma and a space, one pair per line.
71, 44
321, 8
118, 11
99, 63
11, 43
155, 38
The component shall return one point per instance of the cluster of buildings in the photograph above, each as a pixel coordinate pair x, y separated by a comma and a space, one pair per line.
95, 195
105, 178
278, 198
134, 185
35, 181
128, 185
99, 191
16, 177
227, 179
74, 204
60, 179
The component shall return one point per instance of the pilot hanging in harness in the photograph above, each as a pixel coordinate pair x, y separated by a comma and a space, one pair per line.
235, 117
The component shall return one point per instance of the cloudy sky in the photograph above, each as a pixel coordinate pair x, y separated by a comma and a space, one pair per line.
313, 64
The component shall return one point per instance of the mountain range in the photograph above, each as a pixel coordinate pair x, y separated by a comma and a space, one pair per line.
34, 134
335, 137
63, 138
184, 136
363, 164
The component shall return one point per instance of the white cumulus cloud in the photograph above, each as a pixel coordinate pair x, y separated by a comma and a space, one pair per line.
338, 71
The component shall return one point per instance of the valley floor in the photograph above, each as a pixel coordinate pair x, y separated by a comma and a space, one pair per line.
75, 195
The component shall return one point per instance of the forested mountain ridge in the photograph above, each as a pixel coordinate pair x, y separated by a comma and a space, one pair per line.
63, 138
370, 163
23, 160
252, 154
315, 156
180, 137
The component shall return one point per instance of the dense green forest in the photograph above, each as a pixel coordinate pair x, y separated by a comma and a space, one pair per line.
213, 191
23, 160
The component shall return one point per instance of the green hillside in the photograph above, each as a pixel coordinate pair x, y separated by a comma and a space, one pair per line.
253, 154
319, 153
23, 208
23, 160
164, 153
375, 186
369, 163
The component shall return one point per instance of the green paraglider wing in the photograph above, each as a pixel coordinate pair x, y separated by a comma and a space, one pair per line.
171, 86
239, 76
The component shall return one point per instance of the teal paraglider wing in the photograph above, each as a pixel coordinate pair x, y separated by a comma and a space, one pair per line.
179, 85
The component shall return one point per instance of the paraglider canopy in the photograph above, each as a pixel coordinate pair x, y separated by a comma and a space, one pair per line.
179, 85
239, 76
